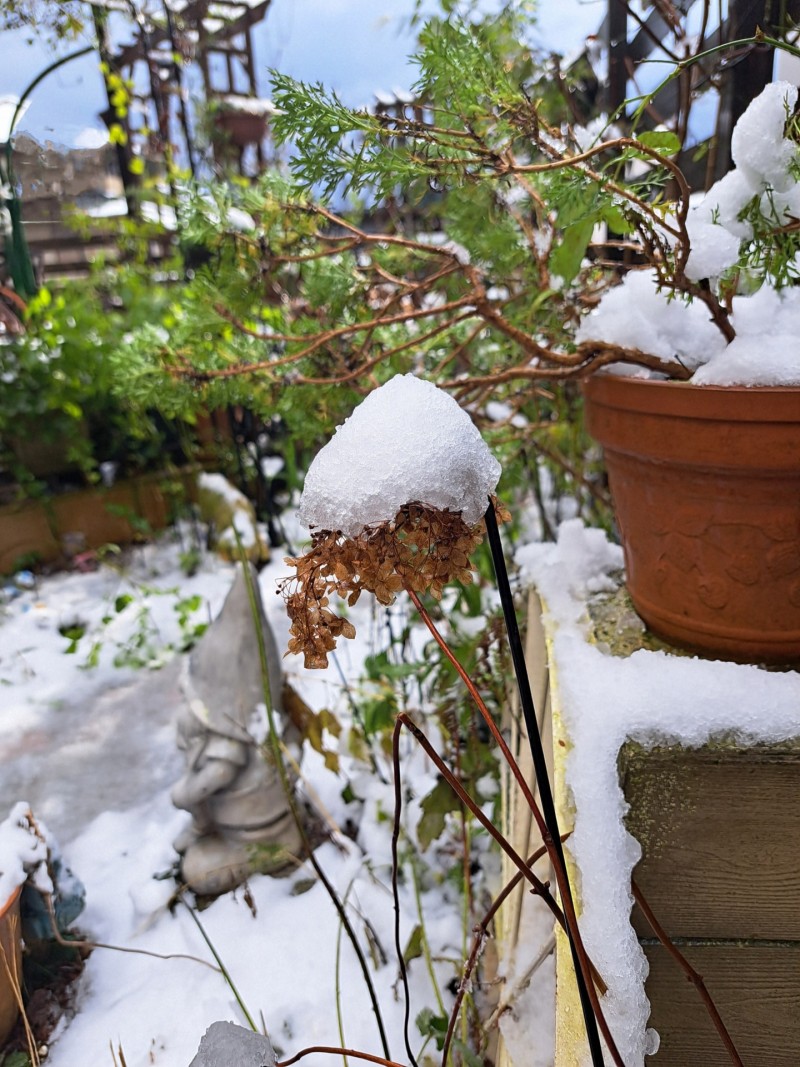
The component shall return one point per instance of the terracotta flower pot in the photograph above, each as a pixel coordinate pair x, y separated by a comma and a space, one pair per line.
706, 489
10, 963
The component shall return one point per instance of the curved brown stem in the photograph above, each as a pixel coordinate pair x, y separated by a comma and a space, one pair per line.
331, 1050
695, 978
539, 886
481, 929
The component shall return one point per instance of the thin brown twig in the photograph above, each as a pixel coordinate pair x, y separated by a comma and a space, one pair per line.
692, 975
648, 32
321, 339
91, 945
331, 1050
538, 885
388, 353
481, 931
323, 253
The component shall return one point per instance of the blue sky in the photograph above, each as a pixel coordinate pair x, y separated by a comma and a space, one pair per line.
353, 46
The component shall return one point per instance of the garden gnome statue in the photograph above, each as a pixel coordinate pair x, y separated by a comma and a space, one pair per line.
241, 819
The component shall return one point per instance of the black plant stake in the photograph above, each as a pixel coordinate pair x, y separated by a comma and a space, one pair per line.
539, 764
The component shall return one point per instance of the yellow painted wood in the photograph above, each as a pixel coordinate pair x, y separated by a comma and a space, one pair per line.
518, 824
571, 1046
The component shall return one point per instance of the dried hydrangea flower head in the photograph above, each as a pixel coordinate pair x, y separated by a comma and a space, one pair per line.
395, 500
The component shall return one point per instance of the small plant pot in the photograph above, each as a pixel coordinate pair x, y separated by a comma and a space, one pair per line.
706, 489
10, 964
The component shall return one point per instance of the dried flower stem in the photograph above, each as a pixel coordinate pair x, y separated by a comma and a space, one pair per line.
571, 920
692, 975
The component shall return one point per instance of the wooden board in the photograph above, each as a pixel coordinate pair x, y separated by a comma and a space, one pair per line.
719, 828
38, 527
757, 991
720, 833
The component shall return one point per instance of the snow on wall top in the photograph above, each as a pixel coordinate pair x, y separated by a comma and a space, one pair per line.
408, 441
654, 698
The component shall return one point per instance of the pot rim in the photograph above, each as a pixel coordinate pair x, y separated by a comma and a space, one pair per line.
651, 396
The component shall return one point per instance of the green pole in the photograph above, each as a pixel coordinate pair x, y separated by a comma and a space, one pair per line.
18, 255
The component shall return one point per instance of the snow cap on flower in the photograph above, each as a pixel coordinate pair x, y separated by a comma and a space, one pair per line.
408, 441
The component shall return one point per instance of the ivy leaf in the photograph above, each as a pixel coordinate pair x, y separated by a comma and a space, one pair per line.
435, 806
379, 713
430, 1025
567, 257
413, 949
662, 141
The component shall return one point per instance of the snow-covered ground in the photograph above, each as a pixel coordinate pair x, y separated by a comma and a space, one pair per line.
93, 751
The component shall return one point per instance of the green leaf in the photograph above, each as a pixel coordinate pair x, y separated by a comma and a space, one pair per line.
379, 667
302, 885
122, 602
468, 1057
430, 1025
567, 257
16, 1059
662, 141
614, 217
435, 806
379, 713
413, 949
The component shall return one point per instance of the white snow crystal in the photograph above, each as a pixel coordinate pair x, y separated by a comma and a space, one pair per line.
408, 441
723, 203
636, 315
770, 360
713, 249
758, 148
765, 350
784, 207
